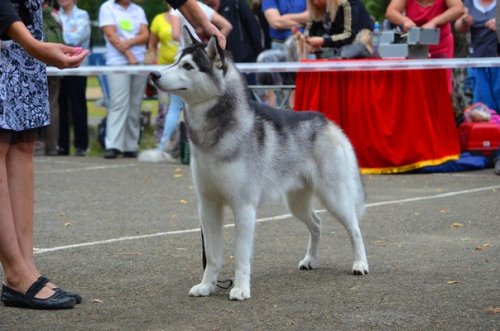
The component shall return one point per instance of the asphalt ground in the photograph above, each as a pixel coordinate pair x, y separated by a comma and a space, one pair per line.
125, 235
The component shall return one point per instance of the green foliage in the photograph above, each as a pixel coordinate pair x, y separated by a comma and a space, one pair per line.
376, 8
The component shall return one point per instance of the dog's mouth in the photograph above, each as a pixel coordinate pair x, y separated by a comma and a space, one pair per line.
155, 77
173, 90
161, 88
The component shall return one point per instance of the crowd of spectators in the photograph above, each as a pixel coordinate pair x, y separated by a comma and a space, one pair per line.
256, 31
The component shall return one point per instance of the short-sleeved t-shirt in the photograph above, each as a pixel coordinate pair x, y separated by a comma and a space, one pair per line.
162, 28
128, 22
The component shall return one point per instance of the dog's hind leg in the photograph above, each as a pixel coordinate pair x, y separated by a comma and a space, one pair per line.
211, 222
341, 204
245, 217
299, 203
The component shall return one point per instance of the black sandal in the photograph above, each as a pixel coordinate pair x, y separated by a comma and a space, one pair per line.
58, 300
76, 296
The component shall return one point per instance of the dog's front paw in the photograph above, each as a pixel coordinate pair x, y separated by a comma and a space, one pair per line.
308, 263
239, 294
201, 290
360, 268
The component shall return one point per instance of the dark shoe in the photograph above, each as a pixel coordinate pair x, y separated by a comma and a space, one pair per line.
130, 154
62, 152
111, 153
497, 167
76, 296
58, 300
51, 152
80, 152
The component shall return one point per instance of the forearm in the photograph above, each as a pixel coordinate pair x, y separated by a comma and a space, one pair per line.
300, 18
203, 27
284, 22
18, 32
58, 55
222, 24
112, 37
141, 38
78, 37
193, 13
396, 18
448, 16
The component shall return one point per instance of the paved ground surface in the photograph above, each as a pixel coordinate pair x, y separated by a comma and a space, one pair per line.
125, 236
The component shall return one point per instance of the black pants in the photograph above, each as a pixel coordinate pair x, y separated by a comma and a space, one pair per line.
73, 104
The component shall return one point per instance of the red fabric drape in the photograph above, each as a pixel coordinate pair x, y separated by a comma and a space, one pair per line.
396, 120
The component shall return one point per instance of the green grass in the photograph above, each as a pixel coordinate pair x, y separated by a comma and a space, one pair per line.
92, 81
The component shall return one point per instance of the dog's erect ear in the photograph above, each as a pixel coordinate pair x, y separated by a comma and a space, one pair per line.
216, 54
188, 37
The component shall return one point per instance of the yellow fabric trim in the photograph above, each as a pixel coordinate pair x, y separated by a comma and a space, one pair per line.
406, 168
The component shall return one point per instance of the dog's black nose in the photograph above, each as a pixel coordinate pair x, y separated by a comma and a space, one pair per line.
155, 75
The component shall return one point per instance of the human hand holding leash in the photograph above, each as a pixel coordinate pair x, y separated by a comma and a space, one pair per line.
203, 27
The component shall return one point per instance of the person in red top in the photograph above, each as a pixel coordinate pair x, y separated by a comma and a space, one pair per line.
428, 14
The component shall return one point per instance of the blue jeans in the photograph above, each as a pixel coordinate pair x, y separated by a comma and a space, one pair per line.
486, 86
171, 120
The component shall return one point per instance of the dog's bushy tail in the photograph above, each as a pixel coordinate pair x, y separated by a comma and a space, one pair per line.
358, 194
355, 185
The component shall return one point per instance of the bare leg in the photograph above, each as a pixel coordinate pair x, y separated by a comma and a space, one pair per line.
16, 217
21, 172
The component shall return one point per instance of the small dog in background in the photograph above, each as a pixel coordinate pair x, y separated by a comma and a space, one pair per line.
361, 47
169, 154
245, 153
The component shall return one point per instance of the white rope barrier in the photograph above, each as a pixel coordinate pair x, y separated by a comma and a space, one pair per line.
315, 66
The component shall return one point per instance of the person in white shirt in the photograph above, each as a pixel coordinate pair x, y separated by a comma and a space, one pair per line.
72, 98
125, 29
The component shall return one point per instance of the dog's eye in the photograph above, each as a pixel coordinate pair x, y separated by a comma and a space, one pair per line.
187, 66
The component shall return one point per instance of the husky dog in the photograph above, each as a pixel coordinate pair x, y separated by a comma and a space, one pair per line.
245, 153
